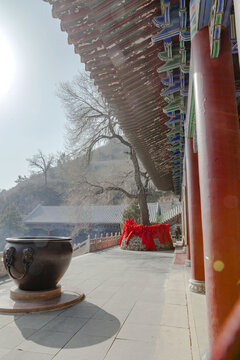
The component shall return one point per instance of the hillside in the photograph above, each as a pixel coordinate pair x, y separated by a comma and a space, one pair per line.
67, 185
109, 164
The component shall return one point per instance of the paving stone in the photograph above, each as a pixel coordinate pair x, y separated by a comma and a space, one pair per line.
134, 309
101, 327
63, 323
127, 294
3, 352
100, 302
11, 336
130, 350
173, 343
85, 348
114, 281
199, 308
25, 355
37, 320
84, 310
152, 295
146, 314
175, 297
175, 285
6, 319
139, 332
45, 341
120, 311
89, 285
103, 292
175, 315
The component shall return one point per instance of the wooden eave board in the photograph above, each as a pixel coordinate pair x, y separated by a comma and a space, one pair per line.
114, 41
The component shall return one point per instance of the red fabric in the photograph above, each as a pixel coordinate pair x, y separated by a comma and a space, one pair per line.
146, 232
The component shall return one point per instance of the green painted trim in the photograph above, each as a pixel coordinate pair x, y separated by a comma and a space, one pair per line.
195, 144
170, 51
184, 56
169, 98
215, 28
170, 64
172, 132
233, 26
192, 117
216, 48
185, 68
173, 106
194, 16
167, 55
174, 148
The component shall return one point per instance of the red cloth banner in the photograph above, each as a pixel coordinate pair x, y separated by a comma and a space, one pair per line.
146, 232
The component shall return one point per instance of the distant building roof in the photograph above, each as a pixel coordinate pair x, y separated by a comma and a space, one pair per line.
88, 214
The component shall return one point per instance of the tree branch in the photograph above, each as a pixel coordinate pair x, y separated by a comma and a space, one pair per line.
102, 189
92, 122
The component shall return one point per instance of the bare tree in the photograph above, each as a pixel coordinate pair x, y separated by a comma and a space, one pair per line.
21, 179
42, 163
92, 122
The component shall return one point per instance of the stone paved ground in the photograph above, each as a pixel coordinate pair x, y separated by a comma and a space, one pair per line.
135, 309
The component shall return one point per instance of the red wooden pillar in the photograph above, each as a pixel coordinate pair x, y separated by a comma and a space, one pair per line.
237, 19
186, 223
188, 260
197, 283
219, 159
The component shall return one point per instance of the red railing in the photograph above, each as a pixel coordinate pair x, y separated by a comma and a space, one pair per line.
104, 242
97, 243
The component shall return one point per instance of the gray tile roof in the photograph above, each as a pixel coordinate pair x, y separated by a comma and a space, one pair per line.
91, 214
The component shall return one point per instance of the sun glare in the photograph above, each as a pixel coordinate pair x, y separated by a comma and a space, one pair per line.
7, 65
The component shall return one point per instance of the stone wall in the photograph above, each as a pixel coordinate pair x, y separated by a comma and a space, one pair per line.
3, 271
135, 243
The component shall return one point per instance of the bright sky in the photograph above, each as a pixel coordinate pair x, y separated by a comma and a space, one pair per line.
34, 58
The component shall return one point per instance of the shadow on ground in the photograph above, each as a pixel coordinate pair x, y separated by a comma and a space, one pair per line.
81, 325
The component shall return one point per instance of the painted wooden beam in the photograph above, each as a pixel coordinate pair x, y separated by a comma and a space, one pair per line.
237, 18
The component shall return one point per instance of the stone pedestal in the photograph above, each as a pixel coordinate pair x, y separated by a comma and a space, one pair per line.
197, 286
21, 301
188, 263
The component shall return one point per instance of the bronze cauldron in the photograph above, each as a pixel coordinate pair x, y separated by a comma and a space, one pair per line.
37, 263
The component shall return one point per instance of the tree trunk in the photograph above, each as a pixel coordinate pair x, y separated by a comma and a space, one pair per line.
142, 199
45, 178
142, 196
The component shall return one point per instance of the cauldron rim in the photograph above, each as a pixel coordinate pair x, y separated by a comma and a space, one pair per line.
29, 239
